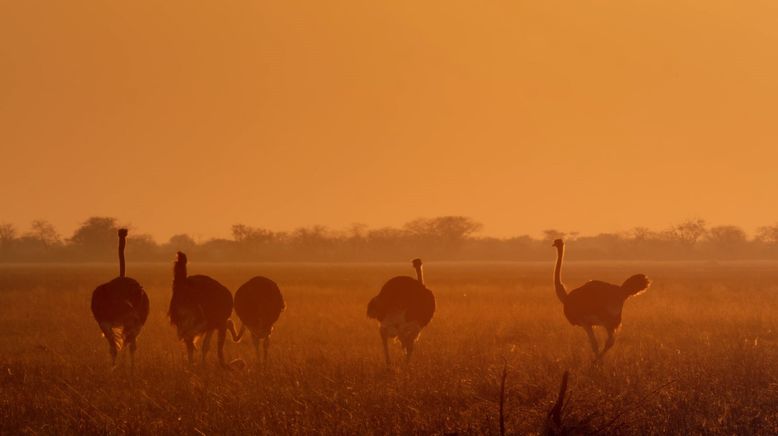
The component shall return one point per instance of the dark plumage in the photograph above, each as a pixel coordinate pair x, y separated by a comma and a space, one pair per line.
199, 306
120, 308
596, 303
258, 304
404, 306
403, 293
599, 303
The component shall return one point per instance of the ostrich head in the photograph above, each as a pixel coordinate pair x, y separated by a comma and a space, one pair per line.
419, 274
181, 257
122, 233
558, 243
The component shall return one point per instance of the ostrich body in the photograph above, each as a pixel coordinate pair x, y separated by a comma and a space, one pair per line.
199, 306
120, 308
259, 303
596, 303
404, 306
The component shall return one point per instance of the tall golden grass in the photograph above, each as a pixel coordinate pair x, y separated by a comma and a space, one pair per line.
697, 353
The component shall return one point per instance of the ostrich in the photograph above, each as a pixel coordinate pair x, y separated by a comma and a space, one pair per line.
596, 303
403, 307
258, 304
199, 306
120, 308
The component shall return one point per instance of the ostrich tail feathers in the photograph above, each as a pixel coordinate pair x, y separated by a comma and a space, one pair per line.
117, 333
636, 284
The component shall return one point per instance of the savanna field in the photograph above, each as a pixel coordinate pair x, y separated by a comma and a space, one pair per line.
698, 353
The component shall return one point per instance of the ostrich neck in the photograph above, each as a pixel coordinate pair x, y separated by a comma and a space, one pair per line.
420, 275
558, 270
179, 274
121, 257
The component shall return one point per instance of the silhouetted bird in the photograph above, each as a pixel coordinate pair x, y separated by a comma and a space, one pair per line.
120, 308
403, 307
199, 306
258, 304
596, 303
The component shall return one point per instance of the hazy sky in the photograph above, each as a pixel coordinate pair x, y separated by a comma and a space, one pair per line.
181, 116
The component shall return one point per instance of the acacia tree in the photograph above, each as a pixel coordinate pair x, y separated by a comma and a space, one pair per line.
92, 239
181, 242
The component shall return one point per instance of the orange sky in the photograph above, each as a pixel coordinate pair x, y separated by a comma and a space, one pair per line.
181, 116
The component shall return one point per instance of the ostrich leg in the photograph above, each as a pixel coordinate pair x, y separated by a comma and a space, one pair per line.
408, 345
133, 347
593, 340
206, 345
108, 333
190, 350
609, 343
385, 342
255, 340
222, 335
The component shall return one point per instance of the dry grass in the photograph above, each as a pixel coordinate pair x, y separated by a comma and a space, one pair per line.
698, 353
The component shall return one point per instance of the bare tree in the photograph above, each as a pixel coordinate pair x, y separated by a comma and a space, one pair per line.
247, 234
8, 234
8, 241
643, 234
450, 229
689, 231
45, 233
768, 234
311, 237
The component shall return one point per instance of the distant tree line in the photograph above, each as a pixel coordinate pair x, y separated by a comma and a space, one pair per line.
441, 238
